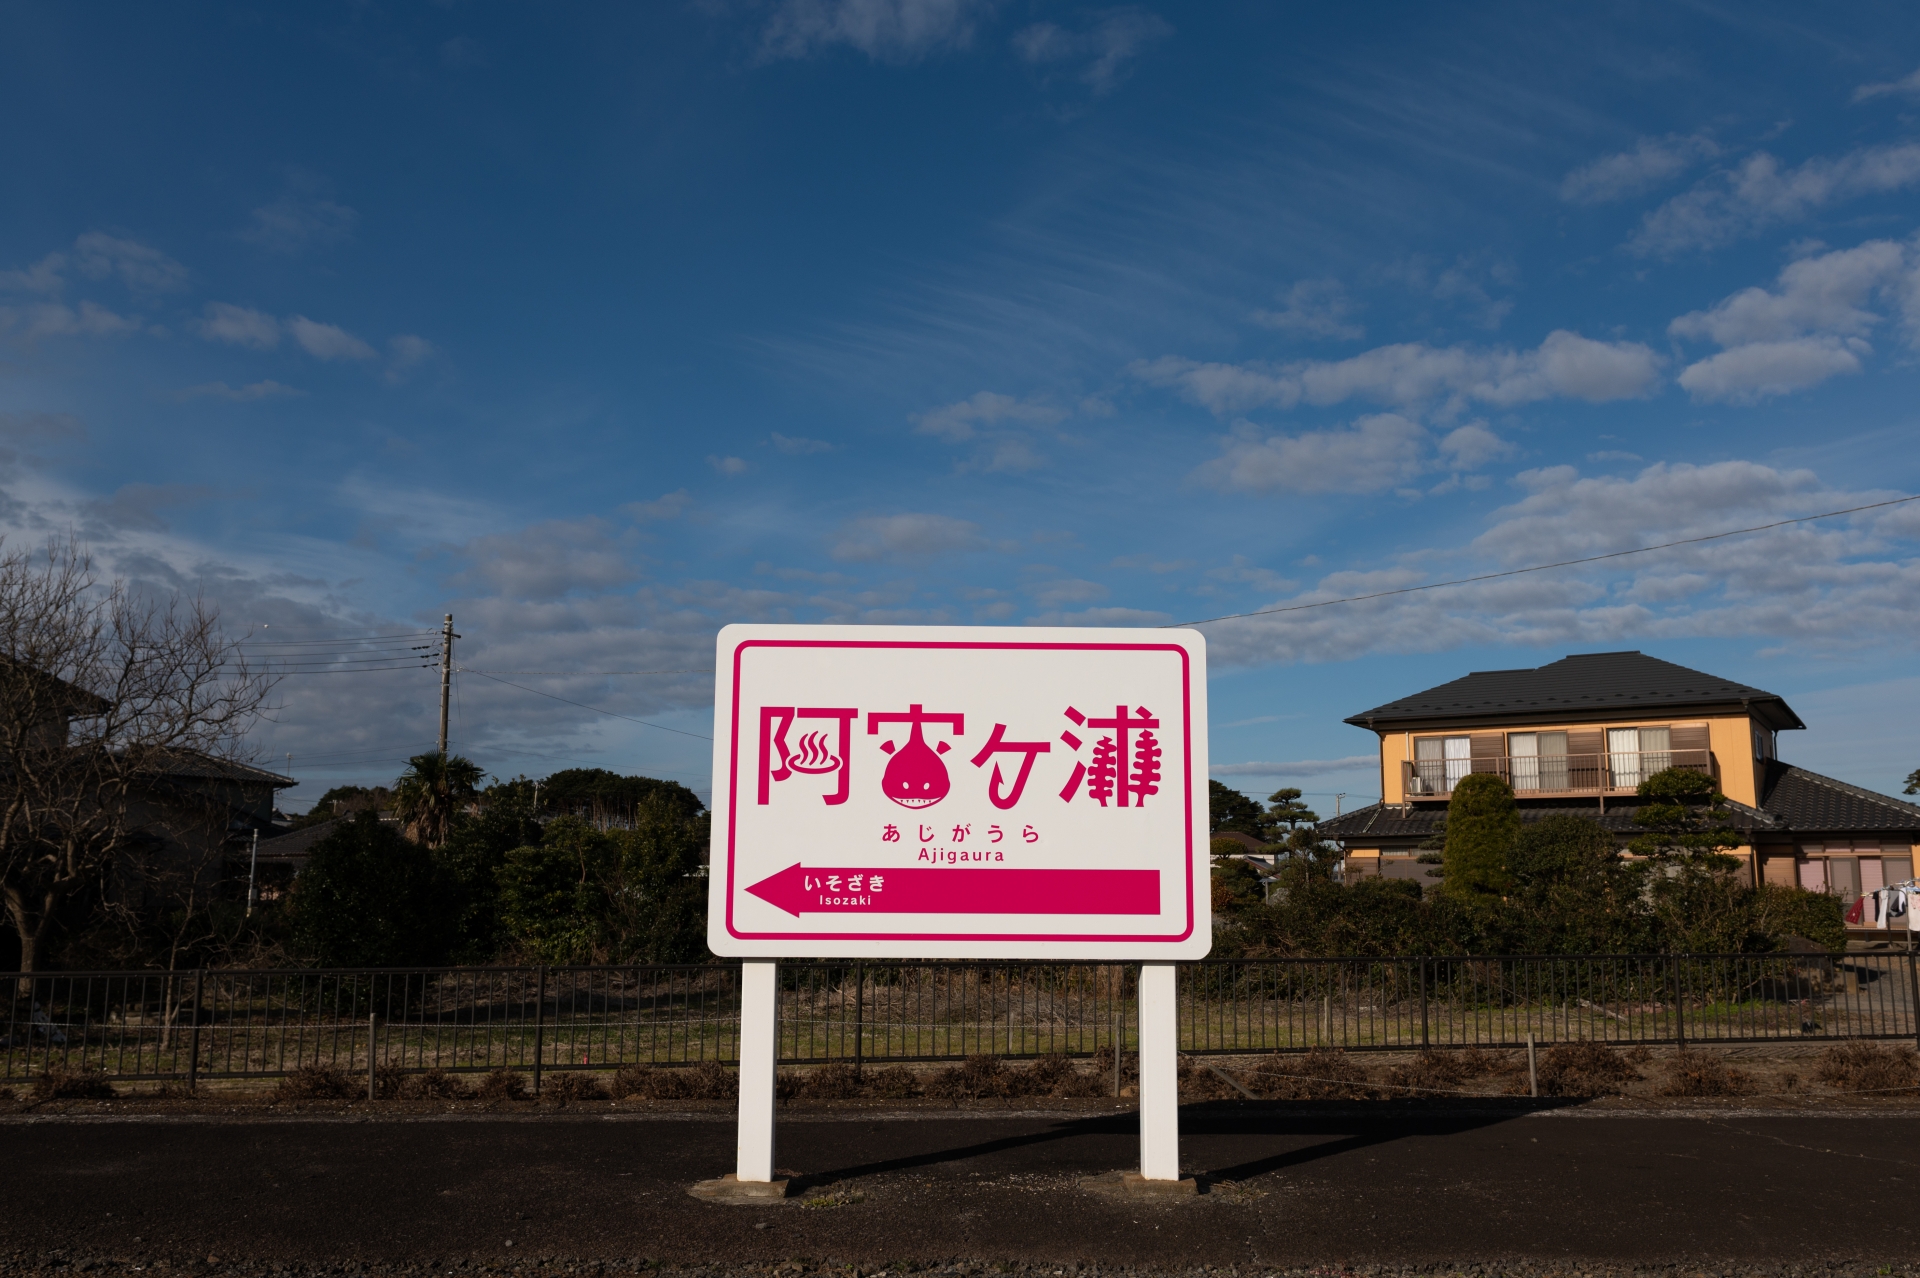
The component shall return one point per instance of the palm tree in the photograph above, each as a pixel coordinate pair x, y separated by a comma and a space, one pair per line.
434, 787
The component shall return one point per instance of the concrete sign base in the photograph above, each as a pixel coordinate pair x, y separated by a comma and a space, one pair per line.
731, 1189
1133, 1185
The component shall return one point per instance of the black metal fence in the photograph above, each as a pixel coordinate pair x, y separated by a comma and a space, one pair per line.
244, 1024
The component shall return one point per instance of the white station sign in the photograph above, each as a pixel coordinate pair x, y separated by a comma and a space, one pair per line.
956, 792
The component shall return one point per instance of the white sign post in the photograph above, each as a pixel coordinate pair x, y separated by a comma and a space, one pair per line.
955, 792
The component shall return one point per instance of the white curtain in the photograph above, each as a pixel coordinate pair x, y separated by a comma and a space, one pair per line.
1459, 760
1523, 750
1623, 757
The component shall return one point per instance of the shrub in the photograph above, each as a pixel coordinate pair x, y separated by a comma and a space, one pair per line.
1581, 1069
61, 1083
975, 1078
896, 1082
435, 1084
838, 1081
1868, 1067
1697, 1073
705, 1081
1482, 822
502, 1085
1434, 1073
565, 1088
1324, 1073
318, 1082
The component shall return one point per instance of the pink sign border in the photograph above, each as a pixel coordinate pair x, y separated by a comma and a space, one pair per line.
1186, 761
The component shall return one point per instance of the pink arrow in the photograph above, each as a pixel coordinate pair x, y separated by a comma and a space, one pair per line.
803, 890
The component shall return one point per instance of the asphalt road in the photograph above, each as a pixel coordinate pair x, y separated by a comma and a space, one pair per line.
1289, 1187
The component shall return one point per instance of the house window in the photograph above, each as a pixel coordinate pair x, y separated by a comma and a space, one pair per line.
1440, 762
1634, 754
1538, 760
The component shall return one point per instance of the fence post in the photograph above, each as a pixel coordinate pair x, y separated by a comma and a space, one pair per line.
1679, 1010
539, 1028
1533, 1072
859, 1018
1425, 1040
373, 1031
193, 1039
1913, 996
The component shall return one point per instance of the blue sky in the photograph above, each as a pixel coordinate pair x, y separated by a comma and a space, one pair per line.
602, 327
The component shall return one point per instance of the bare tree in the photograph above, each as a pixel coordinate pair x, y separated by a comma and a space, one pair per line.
104, 696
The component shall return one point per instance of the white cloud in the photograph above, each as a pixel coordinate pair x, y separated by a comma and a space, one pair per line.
1315, 308
906, 536
1759, 369
1823, 587
957, 423
1102, 50
239, 326
1757, 193
1065, 590
1824, 294
547, 561
404, 351
302, 218
57, 319
140, 268
43, 276
1811, 326
327, 341
896, 31
239, 394
1651, 162
670, 506
728, 466
1376, 453
1296, 767
1473, 446
1412, 374
1907, 86
797, 445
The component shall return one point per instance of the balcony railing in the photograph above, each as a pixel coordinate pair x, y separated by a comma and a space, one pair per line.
1552, 775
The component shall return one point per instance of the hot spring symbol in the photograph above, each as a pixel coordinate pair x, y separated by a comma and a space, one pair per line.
915, 776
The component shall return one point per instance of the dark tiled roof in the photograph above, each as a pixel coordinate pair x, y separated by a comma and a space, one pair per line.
1803, 800
299, 842
1586, 682
192, 763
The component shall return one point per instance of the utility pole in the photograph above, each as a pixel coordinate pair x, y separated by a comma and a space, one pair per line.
253, 867
446, 676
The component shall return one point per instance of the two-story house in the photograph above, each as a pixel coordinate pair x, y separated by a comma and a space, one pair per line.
1580, 734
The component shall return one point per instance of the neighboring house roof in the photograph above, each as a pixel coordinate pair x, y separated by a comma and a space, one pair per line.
78, 701
1803, 800
1581, 684
299, 843
1793, 800
206, 767
1246, 841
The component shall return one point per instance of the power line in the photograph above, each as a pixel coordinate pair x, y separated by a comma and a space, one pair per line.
277, 643
1564, 563
584, 706
583, 674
